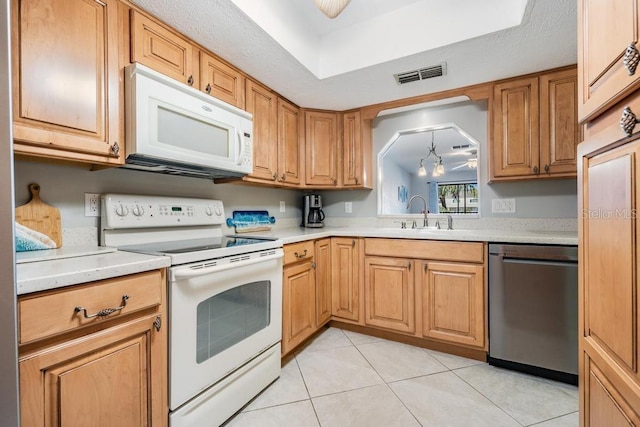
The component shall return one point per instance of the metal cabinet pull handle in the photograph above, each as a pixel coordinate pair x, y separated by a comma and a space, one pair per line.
335, 182
275, 176
284, 177
105, 311
157, 323
409, 266
628, 121
208, 88
357, 183
190, 80
353, 243
536, 170
546, 168
313, 265
300, 256
631, 59
115, 149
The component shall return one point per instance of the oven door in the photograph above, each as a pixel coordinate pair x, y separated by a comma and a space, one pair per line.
222, 313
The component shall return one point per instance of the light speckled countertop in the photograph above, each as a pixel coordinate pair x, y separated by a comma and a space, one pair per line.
78, 265
297, 234
51, 269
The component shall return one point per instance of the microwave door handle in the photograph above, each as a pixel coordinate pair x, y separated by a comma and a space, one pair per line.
186, 273
240, 155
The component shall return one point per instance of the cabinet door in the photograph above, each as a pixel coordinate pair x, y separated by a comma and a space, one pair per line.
322, 254
389, 293
352, 150
609, 242
66, 88
559, 130
321, 149
220, 80
345, 278
161, 49
515, 146
605, 29
299, 318
288, 143
263, 104
604, 404
115, 377
453, 303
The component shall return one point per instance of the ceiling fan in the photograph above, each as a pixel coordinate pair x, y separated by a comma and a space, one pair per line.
471, 163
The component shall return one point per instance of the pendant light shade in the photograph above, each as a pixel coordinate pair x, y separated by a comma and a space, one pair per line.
331, 8
421, 170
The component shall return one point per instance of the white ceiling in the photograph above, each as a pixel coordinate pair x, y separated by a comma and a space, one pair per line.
349, 62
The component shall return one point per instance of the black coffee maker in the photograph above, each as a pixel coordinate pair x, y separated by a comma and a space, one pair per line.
312, 215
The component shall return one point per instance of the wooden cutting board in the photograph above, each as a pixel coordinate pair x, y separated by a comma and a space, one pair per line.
40, 217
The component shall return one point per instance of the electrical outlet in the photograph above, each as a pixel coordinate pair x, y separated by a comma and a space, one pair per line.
91, 204
282, 207
348, 207
503, 206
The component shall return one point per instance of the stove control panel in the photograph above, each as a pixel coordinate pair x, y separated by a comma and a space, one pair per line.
131, 211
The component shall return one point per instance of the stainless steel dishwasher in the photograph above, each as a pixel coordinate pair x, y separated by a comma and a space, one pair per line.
533, 309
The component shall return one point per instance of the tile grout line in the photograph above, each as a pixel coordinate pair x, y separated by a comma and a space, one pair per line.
551, 419
295, 359
487, 397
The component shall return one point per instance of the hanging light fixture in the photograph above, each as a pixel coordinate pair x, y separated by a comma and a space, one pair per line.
331, 8
438, 168
421, 170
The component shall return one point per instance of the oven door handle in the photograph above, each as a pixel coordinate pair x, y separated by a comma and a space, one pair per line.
185, 273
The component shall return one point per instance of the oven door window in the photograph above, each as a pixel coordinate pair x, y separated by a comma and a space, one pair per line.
227, 318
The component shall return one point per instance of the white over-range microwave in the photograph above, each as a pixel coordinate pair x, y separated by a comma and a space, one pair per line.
176, 129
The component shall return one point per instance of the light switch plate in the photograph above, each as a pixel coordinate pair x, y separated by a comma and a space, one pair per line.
282, 206
348, 207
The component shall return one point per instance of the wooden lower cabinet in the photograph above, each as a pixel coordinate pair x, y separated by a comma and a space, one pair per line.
389, 293
299, 303
453, 302
108, 378
322, 254
604, 404
345, 278
107, 371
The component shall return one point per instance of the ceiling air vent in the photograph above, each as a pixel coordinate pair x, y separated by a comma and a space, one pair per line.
421, 74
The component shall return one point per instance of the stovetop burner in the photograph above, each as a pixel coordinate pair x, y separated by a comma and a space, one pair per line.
225, 242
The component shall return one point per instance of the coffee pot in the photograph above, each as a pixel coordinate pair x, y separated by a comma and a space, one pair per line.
312, 214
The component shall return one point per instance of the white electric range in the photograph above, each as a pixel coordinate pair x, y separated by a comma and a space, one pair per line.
225, 300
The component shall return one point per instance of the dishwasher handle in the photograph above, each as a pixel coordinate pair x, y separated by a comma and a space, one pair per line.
534, 252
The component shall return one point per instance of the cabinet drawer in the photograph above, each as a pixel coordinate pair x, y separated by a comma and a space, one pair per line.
298, 251
52, 313
426, 249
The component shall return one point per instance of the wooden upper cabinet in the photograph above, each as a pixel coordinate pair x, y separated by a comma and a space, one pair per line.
289, 165
159, 48
535, 127
263, 104
321, 145
515, 129
356, 152
222, 81
66, 87
559, 130
605, 30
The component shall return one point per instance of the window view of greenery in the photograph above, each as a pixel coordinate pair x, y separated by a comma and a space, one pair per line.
458, 198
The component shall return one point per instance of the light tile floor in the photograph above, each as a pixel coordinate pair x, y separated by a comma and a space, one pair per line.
345, 379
